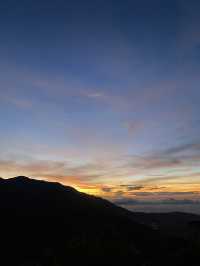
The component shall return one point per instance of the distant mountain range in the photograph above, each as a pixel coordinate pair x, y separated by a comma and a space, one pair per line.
48, 224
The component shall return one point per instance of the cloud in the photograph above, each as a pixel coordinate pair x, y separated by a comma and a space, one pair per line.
121, 189
156, 187
34, 167
107, 189
172, 163
152, 161
95, 95
166, 194
188, 147
166, 178
53, 170
132, 202
132, 187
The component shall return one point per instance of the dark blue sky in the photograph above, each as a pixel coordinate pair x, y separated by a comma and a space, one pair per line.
96, 93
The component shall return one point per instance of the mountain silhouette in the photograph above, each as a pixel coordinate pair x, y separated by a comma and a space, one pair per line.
45, 223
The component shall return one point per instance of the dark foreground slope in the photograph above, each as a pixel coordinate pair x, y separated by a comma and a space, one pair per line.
177, 224
49, 224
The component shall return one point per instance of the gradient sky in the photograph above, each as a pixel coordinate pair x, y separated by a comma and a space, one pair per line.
103, 96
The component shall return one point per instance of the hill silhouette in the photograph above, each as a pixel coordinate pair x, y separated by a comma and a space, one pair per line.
46, 223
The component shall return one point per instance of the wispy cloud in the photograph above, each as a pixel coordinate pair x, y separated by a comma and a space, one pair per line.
132, 187
132, 202
176, 158
186, 147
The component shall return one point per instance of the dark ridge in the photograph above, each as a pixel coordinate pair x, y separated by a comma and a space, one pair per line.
20, 179
24, 180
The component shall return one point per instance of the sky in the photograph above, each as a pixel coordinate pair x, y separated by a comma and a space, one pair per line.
103, 95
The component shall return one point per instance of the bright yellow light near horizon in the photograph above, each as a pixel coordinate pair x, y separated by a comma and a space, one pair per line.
91, 191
